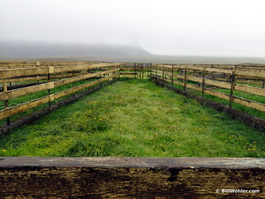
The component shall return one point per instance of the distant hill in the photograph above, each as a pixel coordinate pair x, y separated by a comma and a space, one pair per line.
41, 50
109, 53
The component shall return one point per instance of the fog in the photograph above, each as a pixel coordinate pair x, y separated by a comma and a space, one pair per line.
164, 27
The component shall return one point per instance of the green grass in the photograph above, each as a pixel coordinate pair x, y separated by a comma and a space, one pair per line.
135, 118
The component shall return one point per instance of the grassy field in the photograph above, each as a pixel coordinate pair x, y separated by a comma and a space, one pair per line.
135, 118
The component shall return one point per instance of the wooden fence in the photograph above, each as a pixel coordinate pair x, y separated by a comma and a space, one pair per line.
73, 72
49, 75
204, 79
138, 70
36, 64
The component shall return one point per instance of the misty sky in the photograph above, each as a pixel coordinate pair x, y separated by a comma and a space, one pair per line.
169, 27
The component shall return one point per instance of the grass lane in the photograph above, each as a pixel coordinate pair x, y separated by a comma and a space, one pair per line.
135, 118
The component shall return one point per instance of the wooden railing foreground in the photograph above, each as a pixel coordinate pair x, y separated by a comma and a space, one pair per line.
135, 177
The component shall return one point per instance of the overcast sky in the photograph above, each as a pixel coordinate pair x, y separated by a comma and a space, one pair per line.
172, 27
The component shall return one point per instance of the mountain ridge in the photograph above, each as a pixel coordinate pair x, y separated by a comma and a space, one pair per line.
41, 49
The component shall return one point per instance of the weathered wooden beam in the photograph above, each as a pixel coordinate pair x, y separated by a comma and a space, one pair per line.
192, 86
9, 73
217, 94
251, 73
195, 79
126, 177
249, 103
250, 89
218, 83
128, 73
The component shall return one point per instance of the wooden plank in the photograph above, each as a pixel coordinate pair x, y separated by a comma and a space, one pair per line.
37, 78
195, 68
23, 107
218, 70
183, 66
127, 69
174, 82
249, 103
249, 81
37, 102
128, 73
195, 79
23, 91
217, 94
218, 83
61, 69
250, 89
9, 73
251, 73
192, 86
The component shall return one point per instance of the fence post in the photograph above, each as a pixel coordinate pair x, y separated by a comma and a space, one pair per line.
119, 71
263, 83
232, 87
150, 69
172, 78
108, 68
163, 73
115, 72
143, 68
38, 78
51, 70
6, 102
156, 72
140, 71
203, 82
100, 68
73, 75
135, 71
185, 80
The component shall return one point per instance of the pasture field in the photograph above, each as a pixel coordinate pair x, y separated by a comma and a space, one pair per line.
135, 118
